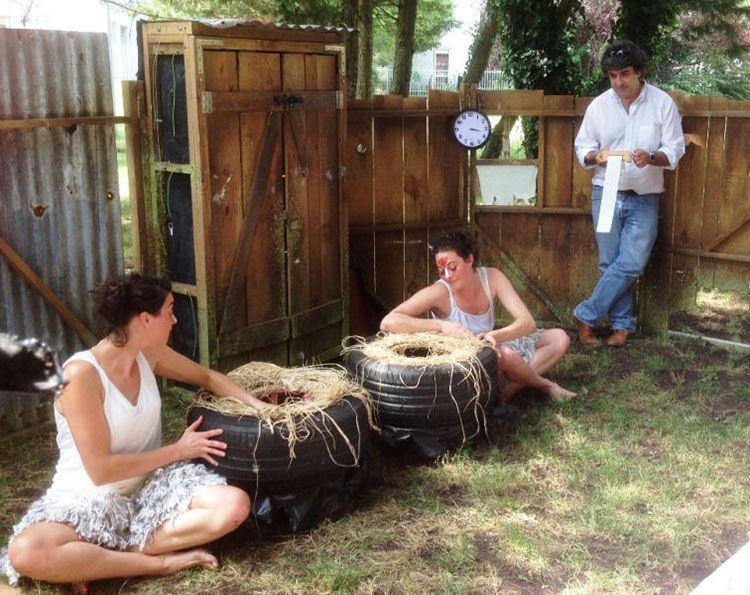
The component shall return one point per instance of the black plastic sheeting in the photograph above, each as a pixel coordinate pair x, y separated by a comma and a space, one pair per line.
430, 444
173, 125
179, 232
185, 332
301, 510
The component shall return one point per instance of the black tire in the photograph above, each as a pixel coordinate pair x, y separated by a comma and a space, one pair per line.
437, 403
258, 459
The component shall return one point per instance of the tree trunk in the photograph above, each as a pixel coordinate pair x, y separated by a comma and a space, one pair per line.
407, 18
481, 46
352, 46
364, 52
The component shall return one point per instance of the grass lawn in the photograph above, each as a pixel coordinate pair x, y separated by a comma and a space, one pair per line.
639, 486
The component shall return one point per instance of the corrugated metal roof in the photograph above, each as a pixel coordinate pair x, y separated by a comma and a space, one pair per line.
255, 24
59, 198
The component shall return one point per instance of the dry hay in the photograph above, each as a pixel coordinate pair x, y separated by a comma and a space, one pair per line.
306, 393
426, 351
417, 349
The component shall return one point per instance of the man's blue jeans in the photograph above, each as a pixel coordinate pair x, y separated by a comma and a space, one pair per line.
623, 254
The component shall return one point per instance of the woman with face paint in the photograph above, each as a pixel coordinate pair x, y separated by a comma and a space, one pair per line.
462, 303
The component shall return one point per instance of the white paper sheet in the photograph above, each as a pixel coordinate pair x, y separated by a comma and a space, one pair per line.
609, 194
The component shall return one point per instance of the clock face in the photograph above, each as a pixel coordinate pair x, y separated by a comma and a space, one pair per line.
471, 128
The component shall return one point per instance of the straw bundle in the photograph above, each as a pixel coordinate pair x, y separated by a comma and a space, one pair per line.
417, 349
303, 395
414, 359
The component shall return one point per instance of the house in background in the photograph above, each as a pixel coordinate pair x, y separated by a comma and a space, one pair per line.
100, 16
443, 66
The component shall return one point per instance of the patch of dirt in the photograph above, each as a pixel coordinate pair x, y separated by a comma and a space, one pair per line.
482, 544
716, 322
452, 494
732, 539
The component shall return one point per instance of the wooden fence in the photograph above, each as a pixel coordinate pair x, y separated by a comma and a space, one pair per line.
407, 182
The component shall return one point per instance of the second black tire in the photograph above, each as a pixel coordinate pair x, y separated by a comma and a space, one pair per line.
445, 402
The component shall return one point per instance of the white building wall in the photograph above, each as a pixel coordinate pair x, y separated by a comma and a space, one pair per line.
97, 16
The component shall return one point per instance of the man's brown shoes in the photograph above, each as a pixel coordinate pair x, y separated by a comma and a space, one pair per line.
586, 333
619, 338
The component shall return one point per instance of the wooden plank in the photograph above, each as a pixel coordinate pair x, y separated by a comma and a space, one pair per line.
556, 171
389, 268
317, 318
710, 255
712, 184
507, 101
358, 182
263, 101
417, 260
25, 124
22, 268
692, 165
388, 168
133, 100
265, 289
314, 136
721, 238
253, 337
358, 230
225, 178
299, 191
554, 275
201, 210
330, 188
735, 192
243, 254
446, 162
415, 151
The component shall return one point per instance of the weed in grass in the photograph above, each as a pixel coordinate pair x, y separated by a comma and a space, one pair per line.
743, 392
333, 575
655, 363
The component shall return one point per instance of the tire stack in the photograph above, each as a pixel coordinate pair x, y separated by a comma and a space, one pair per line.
299, 488
429, 408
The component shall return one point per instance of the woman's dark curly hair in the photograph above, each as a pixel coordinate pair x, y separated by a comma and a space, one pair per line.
119, 299
457, 241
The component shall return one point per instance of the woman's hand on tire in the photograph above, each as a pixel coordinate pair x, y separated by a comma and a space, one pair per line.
194, 444
454, 329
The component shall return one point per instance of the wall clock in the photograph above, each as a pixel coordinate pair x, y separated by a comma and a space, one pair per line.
471, 128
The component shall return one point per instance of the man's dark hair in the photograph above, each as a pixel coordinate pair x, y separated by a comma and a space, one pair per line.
457, 241
622, 53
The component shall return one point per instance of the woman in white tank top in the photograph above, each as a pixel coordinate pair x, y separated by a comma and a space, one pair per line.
462, 302
143, 505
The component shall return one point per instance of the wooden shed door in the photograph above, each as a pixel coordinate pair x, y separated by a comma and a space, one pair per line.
273, 138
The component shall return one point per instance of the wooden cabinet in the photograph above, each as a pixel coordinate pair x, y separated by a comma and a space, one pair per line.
243, 188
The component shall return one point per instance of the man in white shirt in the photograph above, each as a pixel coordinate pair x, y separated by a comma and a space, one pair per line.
636, 117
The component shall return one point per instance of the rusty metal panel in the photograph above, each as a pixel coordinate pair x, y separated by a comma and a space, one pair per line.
59, 198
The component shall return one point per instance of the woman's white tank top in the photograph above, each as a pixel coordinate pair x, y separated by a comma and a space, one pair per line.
476, 323
132, 428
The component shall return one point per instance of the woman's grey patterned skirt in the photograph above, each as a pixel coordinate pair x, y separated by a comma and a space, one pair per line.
115, 521
525, 346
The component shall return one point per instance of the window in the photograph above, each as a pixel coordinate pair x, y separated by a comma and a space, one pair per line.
441, 68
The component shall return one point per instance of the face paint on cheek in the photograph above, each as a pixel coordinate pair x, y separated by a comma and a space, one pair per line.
442, 261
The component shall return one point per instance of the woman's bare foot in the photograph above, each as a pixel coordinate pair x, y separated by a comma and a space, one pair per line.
177, 561
559, 394
80, 588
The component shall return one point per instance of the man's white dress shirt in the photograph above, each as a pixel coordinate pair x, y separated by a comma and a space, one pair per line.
652, 123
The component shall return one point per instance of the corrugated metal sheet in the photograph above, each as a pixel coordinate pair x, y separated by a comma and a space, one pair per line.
59, 198
225, 23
